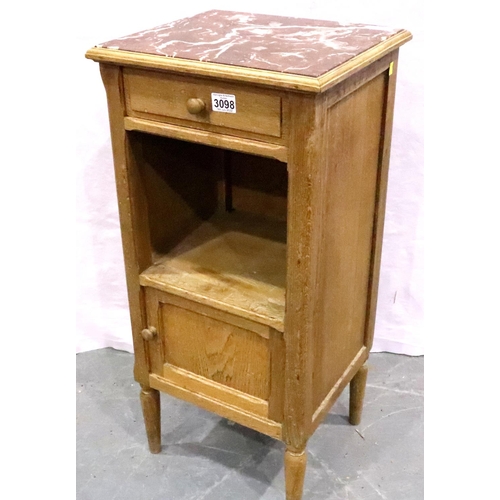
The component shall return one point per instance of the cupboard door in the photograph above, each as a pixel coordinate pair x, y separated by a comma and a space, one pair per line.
214, 349
215, 353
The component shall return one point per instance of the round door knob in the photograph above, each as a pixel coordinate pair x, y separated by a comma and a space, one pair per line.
195, 105
149, 333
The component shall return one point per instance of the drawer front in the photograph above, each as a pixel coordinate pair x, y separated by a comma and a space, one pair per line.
158, 96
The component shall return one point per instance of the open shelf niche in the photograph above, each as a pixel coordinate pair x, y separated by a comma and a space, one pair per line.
217, 226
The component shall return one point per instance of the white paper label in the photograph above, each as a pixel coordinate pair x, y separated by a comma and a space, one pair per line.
224, 103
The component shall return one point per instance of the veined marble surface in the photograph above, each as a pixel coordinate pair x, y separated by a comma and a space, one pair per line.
283, 44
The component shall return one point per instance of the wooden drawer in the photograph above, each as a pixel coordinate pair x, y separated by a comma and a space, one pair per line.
158, 96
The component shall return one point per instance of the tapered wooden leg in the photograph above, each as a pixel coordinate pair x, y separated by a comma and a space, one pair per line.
356, 395
295, 471
150, 400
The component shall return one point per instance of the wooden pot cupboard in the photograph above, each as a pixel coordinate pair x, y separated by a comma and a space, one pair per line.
251, 156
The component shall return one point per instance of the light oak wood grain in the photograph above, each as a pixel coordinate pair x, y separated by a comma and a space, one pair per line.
171, 173
258, 186
210, 138
295, 470
151, 95
227, 131
201, 385
381, 197
325, 406
150, 401
359, 79
256, 422
305, 163
233, 262
215, 350
354, 126
357, 395
162, 297
277, 351
154, 347
132, 206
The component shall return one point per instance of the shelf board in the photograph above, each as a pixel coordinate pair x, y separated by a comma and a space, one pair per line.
235, 262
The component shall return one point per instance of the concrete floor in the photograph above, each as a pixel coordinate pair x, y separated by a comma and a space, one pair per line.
205, 457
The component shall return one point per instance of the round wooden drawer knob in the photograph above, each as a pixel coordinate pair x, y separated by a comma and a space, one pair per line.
149, 333
195, 105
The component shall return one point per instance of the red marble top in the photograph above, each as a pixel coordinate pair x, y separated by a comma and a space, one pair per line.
283, 44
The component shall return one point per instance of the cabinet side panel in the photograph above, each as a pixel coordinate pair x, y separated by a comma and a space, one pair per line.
305, 187
132, 206
354, 127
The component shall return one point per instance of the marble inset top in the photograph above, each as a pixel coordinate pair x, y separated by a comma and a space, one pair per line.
282, 44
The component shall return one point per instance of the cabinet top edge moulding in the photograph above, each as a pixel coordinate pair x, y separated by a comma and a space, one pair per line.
272, 51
